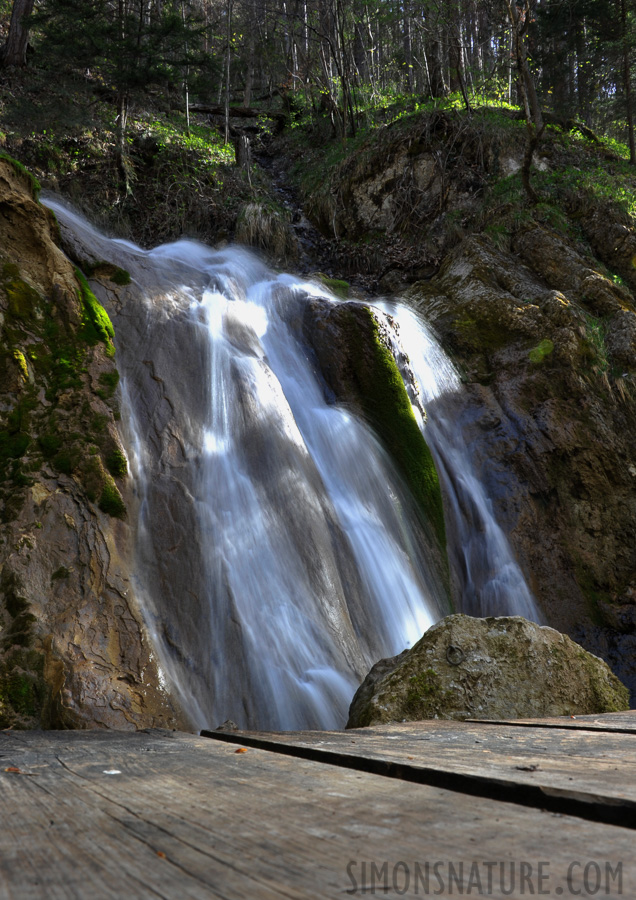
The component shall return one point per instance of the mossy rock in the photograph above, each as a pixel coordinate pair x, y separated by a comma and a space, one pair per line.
359, 367
24, 694
96, 324
111, 501
493, 668
338, 287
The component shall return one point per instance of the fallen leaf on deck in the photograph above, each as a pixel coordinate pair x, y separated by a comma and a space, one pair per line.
15, 771
241, 750
161, 854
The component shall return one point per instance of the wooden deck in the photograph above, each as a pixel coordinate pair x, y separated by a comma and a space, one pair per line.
322, 814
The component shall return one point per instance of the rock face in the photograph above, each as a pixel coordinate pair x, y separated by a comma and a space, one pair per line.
356, 354
73, 652
545, 342
494, 668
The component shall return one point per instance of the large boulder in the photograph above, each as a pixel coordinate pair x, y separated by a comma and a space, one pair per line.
494, 668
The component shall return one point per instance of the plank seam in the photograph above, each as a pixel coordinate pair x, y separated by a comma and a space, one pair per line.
621, 813
565, 727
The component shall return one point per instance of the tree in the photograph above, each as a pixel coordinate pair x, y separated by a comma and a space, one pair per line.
14, 51
129, 42
520, 19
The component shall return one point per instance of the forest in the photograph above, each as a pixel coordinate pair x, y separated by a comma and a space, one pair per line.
345, 59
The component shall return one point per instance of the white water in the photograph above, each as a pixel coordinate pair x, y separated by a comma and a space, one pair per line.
307, 562
492, 583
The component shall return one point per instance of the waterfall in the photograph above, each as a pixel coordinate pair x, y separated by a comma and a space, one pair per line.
492, 583
278, 552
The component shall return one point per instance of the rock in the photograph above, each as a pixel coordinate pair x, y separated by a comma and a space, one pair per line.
73, 648
559, 384
357, 355
494, 668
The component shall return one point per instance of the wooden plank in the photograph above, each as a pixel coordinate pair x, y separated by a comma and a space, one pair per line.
620, 722
187, 817
583, 772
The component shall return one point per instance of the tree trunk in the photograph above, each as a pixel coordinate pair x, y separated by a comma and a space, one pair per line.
14, 51
532, 110
627, 84
228, 57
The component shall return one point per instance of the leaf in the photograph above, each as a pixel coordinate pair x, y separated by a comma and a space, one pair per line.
14, 770
241, 750
161, 854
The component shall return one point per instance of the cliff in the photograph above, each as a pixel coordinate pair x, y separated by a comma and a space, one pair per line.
73, 652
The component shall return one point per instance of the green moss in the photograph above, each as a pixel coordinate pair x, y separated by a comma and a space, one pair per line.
609, 694
595, 595
111, 501
481, 335
21, 691
538, 354
20, 358
338, 287
31, 180
96, 325
387, 406
425, 695
120, 276
13, 446
50, 443
9, 271
65, 461
116, 463
61, 573
109, 382
23, 299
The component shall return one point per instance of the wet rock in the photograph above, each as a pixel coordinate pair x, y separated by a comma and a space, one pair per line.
494, 668
357, 354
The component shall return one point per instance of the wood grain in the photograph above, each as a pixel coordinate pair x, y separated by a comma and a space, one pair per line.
188, 817
580, 771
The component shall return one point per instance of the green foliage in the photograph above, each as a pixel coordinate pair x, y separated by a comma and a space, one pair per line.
116, 463
109, 382
594, 345
111, 501
60, 574
129, 45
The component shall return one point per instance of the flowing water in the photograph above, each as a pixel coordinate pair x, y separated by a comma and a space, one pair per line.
278, 554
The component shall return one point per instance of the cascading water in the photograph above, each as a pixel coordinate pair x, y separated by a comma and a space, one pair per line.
492, 584
278, 552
